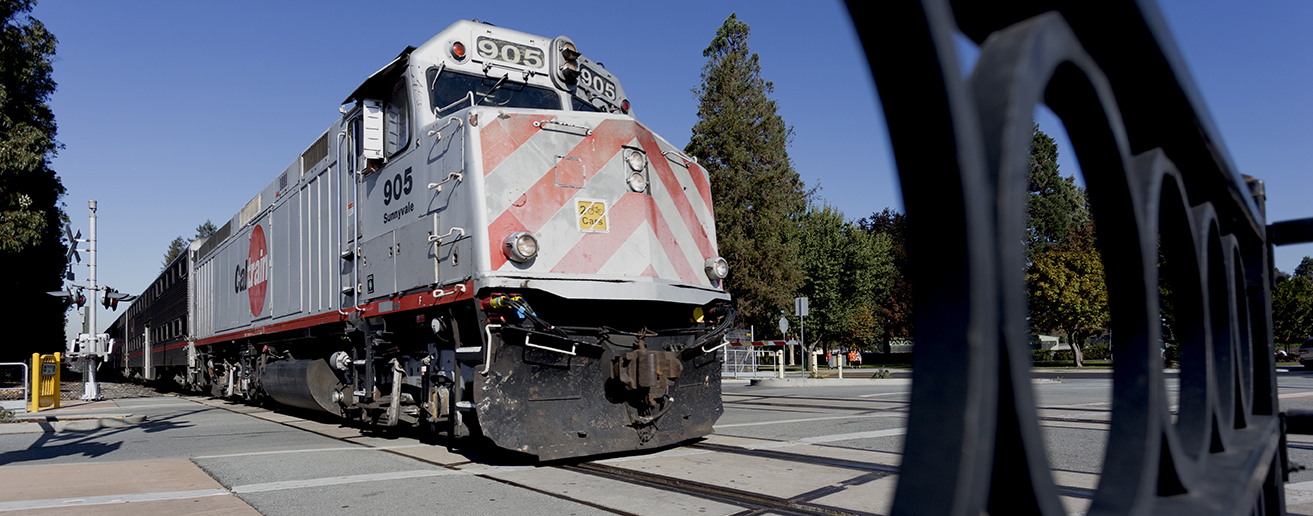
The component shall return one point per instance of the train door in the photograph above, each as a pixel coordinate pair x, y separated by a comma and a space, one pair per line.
348, 152
147, 369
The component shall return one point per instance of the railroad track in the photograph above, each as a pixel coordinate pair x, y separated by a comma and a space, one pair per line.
752, 503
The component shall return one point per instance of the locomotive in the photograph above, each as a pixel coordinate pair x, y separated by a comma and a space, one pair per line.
486, 242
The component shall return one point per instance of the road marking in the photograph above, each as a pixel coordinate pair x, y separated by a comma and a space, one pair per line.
342, 448
884, 394
29, 505
1302, 486
1295, 395
333, 481
279, 452
854, 435
820, 439
783, 421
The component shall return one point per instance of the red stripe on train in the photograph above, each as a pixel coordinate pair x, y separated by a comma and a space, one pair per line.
595, 249
451, 294
544, 199
677, 195
503, 137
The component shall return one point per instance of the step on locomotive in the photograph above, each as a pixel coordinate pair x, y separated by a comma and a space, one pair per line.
486, 242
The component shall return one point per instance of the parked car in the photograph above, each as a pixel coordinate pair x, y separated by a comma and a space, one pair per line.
1306, 353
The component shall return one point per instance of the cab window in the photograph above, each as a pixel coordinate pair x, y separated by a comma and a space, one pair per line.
397, 120
450, 87
579, 105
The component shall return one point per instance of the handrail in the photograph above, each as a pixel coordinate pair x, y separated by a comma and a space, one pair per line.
27, 378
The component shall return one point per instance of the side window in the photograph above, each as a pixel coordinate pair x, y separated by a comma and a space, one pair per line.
397, 119
353, 130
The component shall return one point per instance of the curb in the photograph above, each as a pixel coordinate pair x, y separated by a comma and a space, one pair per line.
74, 425
826, 382
849, 382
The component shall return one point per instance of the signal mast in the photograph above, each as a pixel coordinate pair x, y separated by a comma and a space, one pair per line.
89, 348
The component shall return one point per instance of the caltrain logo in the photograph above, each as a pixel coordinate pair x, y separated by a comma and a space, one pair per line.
253, 276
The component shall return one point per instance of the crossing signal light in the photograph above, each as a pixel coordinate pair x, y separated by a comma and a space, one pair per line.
81, 299
110, 299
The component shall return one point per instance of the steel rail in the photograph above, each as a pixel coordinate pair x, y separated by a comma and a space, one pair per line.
754, 501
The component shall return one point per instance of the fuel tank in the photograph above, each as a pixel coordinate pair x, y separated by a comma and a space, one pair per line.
307, 384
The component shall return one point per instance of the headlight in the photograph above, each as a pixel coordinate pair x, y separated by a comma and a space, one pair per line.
636, 161
521, 246
717, 268
637, 182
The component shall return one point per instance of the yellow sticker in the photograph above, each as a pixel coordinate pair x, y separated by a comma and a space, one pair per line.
592, 215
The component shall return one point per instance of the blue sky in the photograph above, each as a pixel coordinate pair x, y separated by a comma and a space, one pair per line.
173, 112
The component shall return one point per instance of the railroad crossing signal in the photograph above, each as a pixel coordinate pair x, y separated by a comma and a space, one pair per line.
111, 297
72, 254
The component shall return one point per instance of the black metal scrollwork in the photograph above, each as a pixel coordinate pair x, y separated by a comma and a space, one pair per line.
1157, 180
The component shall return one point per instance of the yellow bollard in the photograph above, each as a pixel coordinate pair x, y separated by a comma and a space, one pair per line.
45, 382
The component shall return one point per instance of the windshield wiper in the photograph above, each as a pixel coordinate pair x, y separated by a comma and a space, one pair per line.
500, 81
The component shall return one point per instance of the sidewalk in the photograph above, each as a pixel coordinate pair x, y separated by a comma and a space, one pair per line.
72, 415
109, 458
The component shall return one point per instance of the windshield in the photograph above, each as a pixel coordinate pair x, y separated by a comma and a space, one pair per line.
450, 87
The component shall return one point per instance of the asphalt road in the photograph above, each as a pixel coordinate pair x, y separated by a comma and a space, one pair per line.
273, 463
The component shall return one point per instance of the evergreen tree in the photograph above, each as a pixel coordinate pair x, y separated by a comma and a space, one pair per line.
179, 244
176, 247
1066, 287
31, 250
741, 141
1305, 269
205, 229
1056, 204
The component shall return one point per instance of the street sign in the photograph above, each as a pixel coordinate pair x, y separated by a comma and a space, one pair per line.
800, 306
784, 325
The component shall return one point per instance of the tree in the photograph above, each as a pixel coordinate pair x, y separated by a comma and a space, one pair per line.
1305, 269
896, 308
176, 247
179, 244
1056, 204
741, 140
31, 250
205, 229
1067, 289
848, 272
1292, 309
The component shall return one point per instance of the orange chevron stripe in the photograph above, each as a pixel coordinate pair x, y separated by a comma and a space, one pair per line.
701, 182
596, 249
544, 198
502, 137
677, 194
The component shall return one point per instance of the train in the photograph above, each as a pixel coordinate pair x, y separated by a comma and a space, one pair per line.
487, 243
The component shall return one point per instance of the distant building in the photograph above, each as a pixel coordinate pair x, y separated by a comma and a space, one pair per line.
1048, 343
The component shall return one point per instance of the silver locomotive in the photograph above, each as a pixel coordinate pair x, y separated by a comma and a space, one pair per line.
487, 242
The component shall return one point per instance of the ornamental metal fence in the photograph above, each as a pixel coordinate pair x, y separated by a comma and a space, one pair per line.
1157, 179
